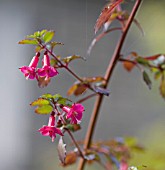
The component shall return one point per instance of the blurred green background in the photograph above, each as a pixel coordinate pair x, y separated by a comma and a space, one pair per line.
131, 109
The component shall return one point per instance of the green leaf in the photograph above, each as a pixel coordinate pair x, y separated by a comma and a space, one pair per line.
40, 102
27, 41
54, 43
47, 96
57, 96
142, 61
48, 36
43, 32
62, 101
147, 79
44, 109
70, 58
37, 34
54, 62
73, 127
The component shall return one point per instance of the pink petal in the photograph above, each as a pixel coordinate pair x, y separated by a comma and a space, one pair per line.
41, 72
79, 108
79, 116
52, 71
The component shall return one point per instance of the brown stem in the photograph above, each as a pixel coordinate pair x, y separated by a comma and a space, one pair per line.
66, 67
107, 77
86, 98
76, 144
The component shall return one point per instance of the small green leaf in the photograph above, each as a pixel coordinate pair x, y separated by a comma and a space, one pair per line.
54, 43
70, 58
27, 41
147, 79
54, 62
73, 127
142, 61
43, 32
44, 109
57, 96
62, 101
47, 96
48, 36
37, 34
40, 102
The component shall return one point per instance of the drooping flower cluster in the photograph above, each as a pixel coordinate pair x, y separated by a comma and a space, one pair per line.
65, 115
32, 72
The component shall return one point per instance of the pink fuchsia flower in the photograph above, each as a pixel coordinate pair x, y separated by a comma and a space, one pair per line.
47, 70
50, 130
30, 71
75, 113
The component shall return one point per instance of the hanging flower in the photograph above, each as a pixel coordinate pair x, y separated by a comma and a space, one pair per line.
75, 113
30, 71
47, 70
50, 130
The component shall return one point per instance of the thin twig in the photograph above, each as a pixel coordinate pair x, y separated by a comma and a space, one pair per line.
67, 68
86, 98
76, 144
107, 77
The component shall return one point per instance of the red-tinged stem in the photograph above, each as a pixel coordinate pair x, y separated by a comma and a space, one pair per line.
67, 68
76, 144
108, 74
86, 98
63, 65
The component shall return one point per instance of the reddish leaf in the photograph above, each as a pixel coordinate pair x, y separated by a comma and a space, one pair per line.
72, 89
80, 90
154, 57
62, 151
128, 65
70, 158
77, 89
106, 13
